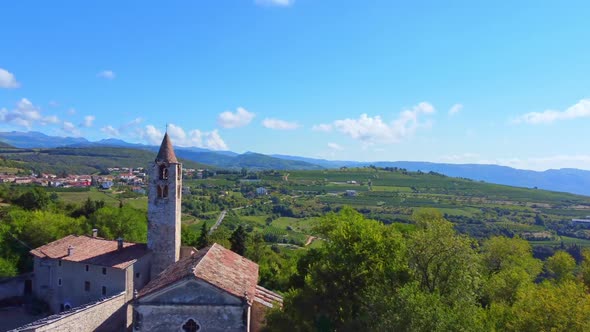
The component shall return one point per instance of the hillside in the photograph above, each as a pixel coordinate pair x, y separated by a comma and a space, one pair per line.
574, 181
565, 180
83, 160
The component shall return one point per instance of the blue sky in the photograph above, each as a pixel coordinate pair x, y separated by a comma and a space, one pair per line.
465, 81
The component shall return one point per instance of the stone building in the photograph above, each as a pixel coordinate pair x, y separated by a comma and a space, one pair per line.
76, 270
213, 290
94, 284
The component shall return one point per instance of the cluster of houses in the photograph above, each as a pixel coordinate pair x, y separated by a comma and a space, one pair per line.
134, 177
48, 180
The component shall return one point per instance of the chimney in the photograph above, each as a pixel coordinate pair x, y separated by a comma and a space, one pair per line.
70, 250
95, 232
119, 243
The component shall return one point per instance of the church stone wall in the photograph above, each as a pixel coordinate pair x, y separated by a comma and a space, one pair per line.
213, 318
105, 316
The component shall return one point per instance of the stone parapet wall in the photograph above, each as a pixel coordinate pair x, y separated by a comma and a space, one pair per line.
109, 314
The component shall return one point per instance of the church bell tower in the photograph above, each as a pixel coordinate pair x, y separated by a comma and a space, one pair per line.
164, 206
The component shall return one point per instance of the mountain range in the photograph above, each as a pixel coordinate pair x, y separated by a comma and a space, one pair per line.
566, 180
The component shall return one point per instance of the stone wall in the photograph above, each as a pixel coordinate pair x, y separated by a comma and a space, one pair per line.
12, 287
63, 283
212, 318
106, 315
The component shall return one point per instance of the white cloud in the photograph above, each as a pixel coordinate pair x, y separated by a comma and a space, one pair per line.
88, 121
50, 119
208, 140
460, 158
335, 146
280, 3
110, 131
152, 135
133, 122
107, 74
71, 111
53, 103
322, 127
130, 125
370, 130
70, 128
7, 80
26, 115
240, 118
455, 109
277, 124
579, 110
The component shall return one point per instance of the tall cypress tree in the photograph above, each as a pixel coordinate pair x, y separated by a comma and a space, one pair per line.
203, 240
238, 241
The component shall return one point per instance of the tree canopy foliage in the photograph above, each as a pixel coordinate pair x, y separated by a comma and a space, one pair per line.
372, 277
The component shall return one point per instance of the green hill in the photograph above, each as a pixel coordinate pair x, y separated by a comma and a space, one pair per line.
87, 160
478, 208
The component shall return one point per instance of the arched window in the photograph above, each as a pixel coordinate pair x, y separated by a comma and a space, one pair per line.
165, 192
160, 192
163, 172
191, 326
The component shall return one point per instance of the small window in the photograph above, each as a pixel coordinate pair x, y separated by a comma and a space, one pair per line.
137, 274
87, 286
59, 282
104, 270
104, 290
191, 326
165, 192
59, 262
87, 268
62, 307
163, 172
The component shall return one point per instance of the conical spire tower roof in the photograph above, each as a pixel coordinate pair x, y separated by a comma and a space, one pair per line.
166, 152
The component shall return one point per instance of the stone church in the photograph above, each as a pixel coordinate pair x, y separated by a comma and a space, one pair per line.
94, 284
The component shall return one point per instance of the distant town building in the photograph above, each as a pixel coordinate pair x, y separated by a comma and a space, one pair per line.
261, 191
351, 193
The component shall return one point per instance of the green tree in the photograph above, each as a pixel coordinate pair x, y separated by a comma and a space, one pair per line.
33, 199
338, 278
550, 306
238, 241
585, 267
7, 268
203, 240
561, 266
125, 222
442, 260
508, 264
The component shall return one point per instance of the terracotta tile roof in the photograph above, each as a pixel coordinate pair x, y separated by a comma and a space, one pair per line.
267, 297
166, 152
92, 250
216, 265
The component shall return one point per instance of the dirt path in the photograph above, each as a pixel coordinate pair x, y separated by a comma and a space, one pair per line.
310, 239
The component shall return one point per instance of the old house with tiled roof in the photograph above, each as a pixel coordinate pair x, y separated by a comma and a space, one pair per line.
94, 284
76, 270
